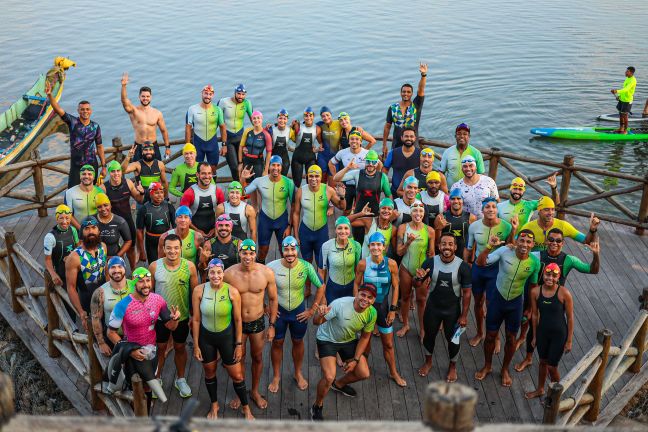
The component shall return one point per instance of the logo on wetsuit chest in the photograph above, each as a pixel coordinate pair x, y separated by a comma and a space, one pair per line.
159, 222
222, 298
192, 179
205, 205
444, 284
70, 248
368, 193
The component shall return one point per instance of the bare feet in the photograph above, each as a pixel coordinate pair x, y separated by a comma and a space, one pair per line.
273, 387
402, 332
259, 400
235, 403
519, 342
302, 384
534, 394
506, 378
398, 380
524, 364
498, 345
247, 412
425, 369
476, 340
400, 317
483, 373
452, 373
213, 412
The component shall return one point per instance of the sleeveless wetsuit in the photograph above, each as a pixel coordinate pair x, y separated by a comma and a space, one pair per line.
119, 197
459, 229
330, 142
434, 206
416, 253
313, 229
203, 207
304, 156
239, 219
216, 324
234, 115
273, 216
372, 229
174, 287
253, 146
155, 221
340, 263
183, 178
280, 140
380, 276
204, 125
552, 328
226, 252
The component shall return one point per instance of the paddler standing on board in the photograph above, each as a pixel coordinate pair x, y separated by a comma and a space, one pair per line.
625, 97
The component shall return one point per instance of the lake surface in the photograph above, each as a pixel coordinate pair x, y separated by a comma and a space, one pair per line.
500, 66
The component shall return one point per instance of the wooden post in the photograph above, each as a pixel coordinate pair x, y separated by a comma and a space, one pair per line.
39, 186
96, 374
449, 407
493, 163
139, 397
14, 277
552, 403
643, 206
117, 143
7, 407
568, 161
604, 337
640, 339
52, 317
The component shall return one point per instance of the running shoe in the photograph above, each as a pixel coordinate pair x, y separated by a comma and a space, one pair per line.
316, 413
182, 387
153, 395
347, 390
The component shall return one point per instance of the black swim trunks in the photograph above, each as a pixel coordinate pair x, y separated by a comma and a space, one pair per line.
624, 107
256, 326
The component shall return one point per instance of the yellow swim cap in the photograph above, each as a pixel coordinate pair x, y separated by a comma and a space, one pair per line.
545, 202
188, 147
427, 151
517, 182
101, 199
62, 209
432, 175
315, 169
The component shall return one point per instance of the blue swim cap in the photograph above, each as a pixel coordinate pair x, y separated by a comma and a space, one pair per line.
283, 111
116, 260
240, 88
289, 241
183, 211
325, 109
309, 109
377, 237
455, 193
216, 262
488, 200
276, 159
410, 180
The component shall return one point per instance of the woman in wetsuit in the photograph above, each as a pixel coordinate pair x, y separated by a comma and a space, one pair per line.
307, 145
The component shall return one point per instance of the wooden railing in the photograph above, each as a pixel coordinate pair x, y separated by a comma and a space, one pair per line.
599, 369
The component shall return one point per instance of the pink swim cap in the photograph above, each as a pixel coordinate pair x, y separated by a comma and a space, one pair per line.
257, 113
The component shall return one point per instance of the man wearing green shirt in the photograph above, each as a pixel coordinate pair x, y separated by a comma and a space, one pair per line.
524, 209
184, 175
625, 97
452, 156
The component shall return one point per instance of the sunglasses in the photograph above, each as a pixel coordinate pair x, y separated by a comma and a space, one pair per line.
248, 247
371, 162
554, 271
428, 154
141, 276
554, 240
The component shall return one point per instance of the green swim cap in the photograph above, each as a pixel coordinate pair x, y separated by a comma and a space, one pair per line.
235, 186
248, 244
113, 166
371, 155
386, 202
342, 220
87, 167
141, 272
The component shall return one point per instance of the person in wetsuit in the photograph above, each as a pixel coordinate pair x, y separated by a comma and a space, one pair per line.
455, 220
185, 174
281, 135
154, 218
148, 169
202, 199
223, 246
242, 214
306, 147
203, 121
113, 229
235, 108
254, 141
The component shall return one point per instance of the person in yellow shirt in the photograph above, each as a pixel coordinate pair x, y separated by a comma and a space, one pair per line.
624, 97
546, 221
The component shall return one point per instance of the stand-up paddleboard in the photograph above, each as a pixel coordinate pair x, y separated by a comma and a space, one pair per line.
615, 118
592, 133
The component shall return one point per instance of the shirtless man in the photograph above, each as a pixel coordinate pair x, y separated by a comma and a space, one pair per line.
145, 120
252, 279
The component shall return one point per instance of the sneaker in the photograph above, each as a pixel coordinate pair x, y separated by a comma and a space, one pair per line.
347, 390
316, 413
153, 395
182, 387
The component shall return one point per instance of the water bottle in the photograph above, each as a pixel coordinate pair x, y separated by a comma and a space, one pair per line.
149, 351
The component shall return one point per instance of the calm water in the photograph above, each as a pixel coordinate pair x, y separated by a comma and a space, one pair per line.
501, 66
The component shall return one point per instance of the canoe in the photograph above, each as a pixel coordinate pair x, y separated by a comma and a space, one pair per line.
23, 124
615, 118
592, 133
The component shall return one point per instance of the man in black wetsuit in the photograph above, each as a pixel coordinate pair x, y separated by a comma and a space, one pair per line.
223, 246
157, 216
448, 278
455, 220
112, 228
148, 169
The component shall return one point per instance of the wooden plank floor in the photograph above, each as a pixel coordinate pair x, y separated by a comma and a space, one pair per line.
607, 300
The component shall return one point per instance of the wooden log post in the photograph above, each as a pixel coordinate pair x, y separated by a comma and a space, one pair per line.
117, 143
568, 162
96, 373
595, 388
7, 405
139, 397
14, 277
640, 339
450, 407
552, 403
642, 217
493, 163
39, 185
52, 317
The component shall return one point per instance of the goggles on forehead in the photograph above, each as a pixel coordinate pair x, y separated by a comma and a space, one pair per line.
554, 270
469, 160
417, 204
248, 247
526, 234
216, 263
518, 185
371, 162
141, 275
289, 243
224, 219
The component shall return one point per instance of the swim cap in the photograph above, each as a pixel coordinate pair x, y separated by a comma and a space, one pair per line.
309, 109
275, 159
552, 268
89, 221
518, 182
113, 166
432, 175
410, 180
208, 88
371, 156
235, 186
188, 148
488, 200
116, 260
289, 241
462, 126
148, 145
377, 237
101, 199
314, 169
248, 244
545, 202
386, 202
216, 262
257, 114
325, 109
468, 159
155, 186
87, 167
427, 151
371, 288
183, 211
240, 88
356, 133
342, 220
455, 193
62, 209
224, 219
283, 112
141, 273
343, 114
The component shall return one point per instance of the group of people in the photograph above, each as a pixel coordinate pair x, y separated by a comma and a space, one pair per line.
408, 235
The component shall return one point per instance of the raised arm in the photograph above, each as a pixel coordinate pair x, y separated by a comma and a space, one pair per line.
423, 68
128, 106
52, 100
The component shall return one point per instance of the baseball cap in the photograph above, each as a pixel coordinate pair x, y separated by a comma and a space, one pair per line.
188, 147
371, 288
113, 166
275, 159
183, 211
386, 202
240, 88
116, 260
432, 175
101, 199
545, 202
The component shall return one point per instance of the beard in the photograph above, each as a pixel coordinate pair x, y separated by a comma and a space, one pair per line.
91, 241
145, 103
408, 143
148, 157
516, 196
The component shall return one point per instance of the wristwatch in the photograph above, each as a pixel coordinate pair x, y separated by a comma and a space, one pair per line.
393, 308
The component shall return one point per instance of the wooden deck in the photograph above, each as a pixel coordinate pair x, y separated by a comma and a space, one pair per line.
607, 300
